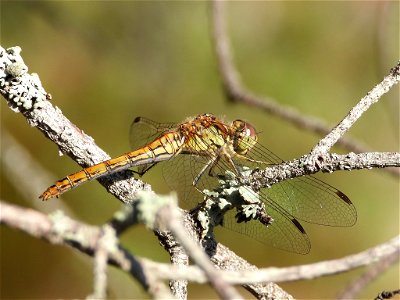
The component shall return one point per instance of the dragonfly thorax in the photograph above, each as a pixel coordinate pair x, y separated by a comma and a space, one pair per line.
204, 135
244, 136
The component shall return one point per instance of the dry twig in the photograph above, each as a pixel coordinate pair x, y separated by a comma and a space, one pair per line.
236, 92
59, 229
372, 272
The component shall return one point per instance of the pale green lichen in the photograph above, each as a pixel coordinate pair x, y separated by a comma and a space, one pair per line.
124, 213
61, 227
109, 240
148, 205
23, 89
230, 194
16, 69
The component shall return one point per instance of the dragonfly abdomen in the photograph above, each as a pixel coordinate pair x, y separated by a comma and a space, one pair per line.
160, 149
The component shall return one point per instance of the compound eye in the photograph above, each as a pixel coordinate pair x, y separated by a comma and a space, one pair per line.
244, 128
249, 130
245, 136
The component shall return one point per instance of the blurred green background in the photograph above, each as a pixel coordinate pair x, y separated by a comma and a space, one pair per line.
107, 62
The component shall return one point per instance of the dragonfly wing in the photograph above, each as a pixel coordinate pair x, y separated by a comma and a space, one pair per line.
142, 131
285, 232
306, 198
314, 201
179, 173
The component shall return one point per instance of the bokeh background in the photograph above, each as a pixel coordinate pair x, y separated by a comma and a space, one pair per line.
107, 62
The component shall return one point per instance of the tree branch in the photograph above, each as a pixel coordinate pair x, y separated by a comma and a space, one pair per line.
60, 229
311, 164
372, 273
162, 212
356, 112
236, 92
25, 94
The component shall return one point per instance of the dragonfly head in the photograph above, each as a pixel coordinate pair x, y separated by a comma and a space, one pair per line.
244, 136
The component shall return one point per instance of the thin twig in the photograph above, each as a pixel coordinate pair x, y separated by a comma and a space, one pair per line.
372, 273
325, 163
236, 271
99, 274
161, 212
106, 243
236, 91
325, 144
59, 229
26, 174
25, 94
223, 259
172, 219
179, 258
330, 267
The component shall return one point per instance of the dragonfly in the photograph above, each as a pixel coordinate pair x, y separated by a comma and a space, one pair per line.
196, 153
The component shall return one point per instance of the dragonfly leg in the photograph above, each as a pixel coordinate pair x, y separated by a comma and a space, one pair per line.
233, 165
211, 171
210, 164
253, 160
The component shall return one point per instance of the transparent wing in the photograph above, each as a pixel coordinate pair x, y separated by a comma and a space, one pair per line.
194, 164
306, 198
285, 232
143, 131
179, 174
